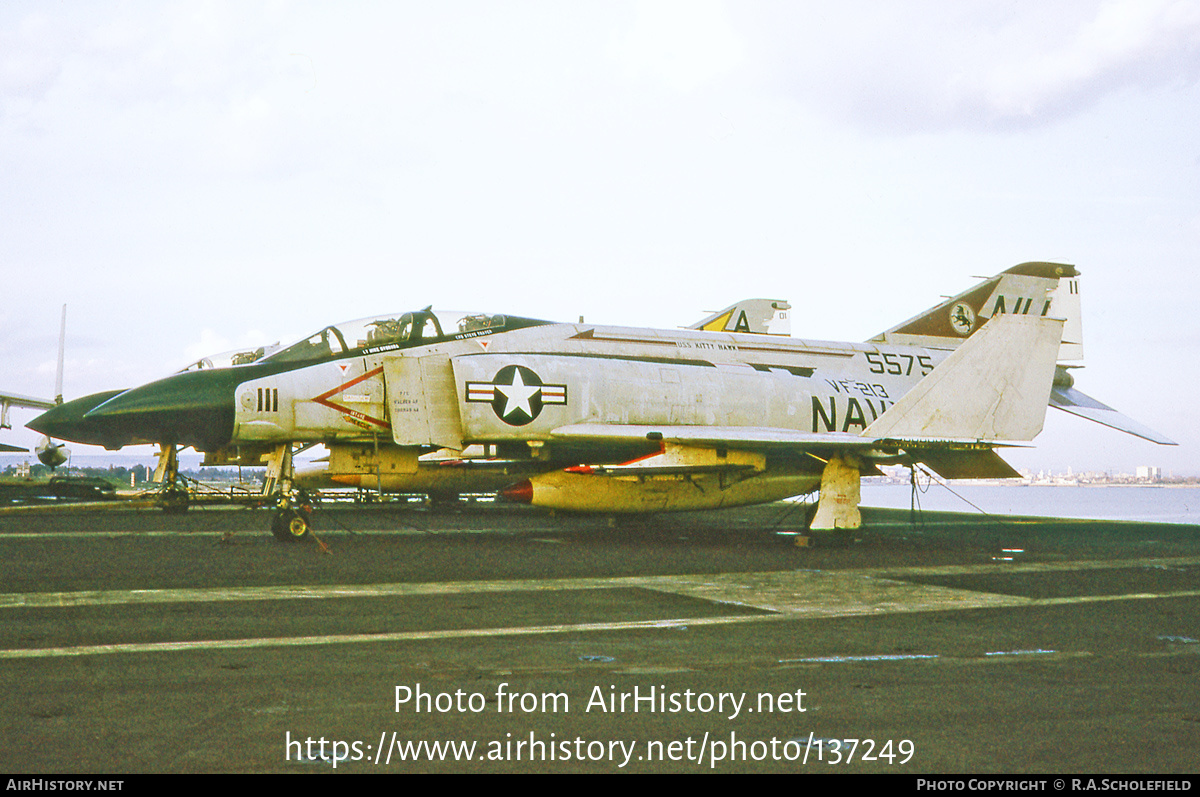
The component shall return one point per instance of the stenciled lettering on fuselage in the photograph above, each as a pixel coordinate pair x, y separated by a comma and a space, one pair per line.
843, 413
899, 363
516, 394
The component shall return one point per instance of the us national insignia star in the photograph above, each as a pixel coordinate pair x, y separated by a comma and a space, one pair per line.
516, 394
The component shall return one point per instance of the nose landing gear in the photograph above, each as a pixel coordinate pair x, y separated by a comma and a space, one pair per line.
293, 519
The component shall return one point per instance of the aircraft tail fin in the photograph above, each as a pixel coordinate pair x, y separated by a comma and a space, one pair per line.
760, 316
995, 387
1046, 290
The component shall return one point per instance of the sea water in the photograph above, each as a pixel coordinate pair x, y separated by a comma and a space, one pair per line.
1144, 503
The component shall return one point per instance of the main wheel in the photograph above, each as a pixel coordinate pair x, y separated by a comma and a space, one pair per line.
289, 525
174, 500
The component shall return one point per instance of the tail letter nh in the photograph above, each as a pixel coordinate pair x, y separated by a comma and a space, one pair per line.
1018, 309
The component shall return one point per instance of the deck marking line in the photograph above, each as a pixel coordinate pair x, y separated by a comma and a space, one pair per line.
342, 639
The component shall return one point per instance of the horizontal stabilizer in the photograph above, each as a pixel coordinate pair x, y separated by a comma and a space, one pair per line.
7, 448
994, 387
1071, 400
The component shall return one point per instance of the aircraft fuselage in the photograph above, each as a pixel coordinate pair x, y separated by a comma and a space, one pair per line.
627, 419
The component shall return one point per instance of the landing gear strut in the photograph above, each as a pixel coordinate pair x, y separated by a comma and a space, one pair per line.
173, 495
836, 513
838, 505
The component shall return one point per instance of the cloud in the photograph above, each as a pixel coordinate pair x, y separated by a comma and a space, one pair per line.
928, 66
683, 44
115, 86
1129, 42
28, 66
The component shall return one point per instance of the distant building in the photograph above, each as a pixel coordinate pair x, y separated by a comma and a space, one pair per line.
1149, 473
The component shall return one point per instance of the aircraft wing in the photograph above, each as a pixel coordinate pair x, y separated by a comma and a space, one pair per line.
967, 464
1068, 399
7, 448
950, 459
17, 400
745, 436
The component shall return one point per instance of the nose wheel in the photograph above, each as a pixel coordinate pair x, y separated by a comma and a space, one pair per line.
293, 519
291, 525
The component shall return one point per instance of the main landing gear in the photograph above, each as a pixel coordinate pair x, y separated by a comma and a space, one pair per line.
836, 514
173, 494
838, 505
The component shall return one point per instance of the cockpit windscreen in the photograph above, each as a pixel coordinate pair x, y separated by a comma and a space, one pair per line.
402, 331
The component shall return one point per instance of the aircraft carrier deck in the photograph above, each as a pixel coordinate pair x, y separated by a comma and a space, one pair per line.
500, 639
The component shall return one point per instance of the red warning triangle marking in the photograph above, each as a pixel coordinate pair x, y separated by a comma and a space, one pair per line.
323, 399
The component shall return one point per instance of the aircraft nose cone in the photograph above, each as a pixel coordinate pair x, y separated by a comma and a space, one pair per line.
67, 422
189, 409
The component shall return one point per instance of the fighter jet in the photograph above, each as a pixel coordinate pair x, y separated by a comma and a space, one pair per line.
48, 452
445, 475
618, 419
758, 316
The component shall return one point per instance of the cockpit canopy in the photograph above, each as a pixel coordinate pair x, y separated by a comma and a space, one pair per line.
376, 334
228, 359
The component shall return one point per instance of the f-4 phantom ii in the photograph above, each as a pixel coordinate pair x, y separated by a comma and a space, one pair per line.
446, 474
615, 419
48, 452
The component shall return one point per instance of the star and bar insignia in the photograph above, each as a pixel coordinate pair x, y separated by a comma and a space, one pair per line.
516, 394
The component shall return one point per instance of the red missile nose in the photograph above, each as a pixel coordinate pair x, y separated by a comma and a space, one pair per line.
519, 493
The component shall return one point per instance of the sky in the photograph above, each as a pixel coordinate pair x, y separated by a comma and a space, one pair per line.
190, 177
